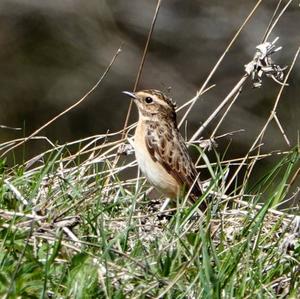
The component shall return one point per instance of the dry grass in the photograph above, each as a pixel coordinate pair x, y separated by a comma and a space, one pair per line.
71, 226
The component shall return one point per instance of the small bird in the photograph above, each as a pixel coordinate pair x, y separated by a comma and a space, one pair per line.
160, 149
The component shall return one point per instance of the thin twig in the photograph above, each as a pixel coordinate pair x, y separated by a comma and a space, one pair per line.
276, 20
125, 132
267, 122
142, 64
10, 128
271, 21
224, 115
219, 61
12, 142
19, 214
281, 129
232, 93
16, 192
69, 108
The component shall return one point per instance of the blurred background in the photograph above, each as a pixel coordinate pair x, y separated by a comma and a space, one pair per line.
52, 52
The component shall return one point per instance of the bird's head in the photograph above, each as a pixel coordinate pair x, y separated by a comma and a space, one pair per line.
153, 104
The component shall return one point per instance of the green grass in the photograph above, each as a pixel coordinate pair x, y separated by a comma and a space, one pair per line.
82, 236
72, 226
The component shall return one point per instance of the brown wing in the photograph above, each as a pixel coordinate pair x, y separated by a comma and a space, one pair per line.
166, 145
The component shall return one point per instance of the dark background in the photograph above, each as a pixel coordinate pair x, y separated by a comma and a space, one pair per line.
53, 52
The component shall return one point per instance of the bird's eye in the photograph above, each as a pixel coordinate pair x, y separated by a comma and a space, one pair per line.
149, 100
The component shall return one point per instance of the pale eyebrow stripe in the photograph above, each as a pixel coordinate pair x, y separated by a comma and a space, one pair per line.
159, 97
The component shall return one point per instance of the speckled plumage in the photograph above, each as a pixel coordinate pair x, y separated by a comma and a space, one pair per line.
160, 149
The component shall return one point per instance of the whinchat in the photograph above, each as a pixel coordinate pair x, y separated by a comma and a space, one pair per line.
160, 149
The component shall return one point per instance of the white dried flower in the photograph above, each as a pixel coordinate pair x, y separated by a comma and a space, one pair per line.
262, 64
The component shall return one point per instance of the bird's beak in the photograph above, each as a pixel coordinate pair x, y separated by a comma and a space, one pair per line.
130, 94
